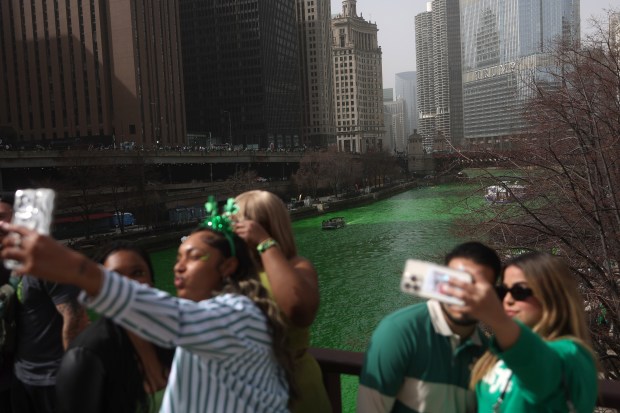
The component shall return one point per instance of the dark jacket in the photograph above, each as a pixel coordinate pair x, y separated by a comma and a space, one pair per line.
101, 373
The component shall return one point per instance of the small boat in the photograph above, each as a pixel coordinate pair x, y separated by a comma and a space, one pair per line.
506, 193
333, 223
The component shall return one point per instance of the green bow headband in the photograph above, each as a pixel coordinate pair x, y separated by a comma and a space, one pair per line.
221, 223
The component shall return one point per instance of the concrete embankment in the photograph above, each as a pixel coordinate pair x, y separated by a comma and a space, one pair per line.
340, 204
170, 234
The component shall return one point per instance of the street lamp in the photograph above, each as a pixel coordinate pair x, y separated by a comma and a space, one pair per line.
229, 127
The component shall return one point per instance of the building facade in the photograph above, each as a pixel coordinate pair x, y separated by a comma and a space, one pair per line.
358, 82
439, 80
242, 72
388, 95
314, 21
614, 30
91, 73
397, 137
504, 48
405, 87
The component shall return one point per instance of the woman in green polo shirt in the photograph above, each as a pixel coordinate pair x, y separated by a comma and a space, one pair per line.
540, 358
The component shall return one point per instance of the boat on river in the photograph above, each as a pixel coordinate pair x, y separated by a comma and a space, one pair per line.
333, 223
505, 193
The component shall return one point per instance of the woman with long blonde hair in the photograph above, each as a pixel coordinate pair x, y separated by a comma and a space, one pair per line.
540, 358
265, 224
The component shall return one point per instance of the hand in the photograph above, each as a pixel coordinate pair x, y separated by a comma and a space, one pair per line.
481, 301
251, 232
38, 254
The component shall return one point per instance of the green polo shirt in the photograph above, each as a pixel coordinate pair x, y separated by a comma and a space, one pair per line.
414, 363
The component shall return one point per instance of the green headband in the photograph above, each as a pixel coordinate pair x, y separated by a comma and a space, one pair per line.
222, 224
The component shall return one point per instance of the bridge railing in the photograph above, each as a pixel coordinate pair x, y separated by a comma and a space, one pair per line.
336, 362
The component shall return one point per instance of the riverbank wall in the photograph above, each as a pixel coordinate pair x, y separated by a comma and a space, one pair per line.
341, 204
167, 235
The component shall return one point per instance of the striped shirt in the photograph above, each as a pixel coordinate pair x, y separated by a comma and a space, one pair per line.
224, 361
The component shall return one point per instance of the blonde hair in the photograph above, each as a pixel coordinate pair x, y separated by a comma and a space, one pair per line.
555, 288
270, 212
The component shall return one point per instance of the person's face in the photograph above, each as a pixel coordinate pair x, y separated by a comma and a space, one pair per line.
200, 268
479, 273
529, 310
6, 213
130, 264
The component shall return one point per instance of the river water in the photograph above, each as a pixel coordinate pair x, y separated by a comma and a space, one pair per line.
360, 265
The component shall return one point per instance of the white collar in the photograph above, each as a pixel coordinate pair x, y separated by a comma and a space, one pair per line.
440, 324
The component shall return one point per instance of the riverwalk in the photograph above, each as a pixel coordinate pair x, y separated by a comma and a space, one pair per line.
167, 234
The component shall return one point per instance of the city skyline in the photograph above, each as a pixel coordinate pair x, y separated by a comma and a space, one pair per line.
395, 19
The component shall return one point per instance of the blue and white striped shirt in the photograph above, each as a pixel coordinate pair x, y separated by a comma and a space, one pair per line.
224, 361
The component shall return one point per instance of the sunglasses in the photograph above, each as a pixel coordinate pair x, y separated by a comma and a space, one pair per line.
518, 291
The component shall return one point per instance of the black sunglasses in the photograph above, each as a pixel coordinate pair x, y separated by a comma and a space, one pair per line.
518, 291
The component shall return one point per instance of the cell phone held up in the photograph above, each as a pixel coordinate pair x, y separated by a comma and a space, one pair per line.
33, 209
424, 279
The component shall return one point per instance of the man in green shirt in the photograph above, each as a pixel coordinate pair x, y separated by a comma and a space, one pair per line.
420, 357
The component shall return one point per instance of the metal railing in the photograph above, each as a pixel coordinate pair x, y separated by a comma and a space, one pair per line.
336, 362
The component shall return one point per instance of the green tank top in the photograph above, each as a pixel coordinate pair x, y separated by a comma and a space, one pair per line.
298, 337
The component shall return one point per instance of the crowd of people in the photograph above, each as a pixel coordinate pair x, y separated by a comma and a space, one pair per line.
235, 336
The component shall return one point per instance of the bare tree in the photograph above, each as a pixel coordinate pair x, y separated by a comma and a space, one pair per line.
308, 176
570, 163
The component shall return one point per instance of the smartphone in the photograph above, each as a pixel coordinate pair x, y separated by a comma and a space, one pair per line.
424, 279
33, 209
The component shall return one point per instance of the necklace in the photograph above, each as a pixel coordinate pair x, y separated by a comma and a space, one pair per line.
500, 399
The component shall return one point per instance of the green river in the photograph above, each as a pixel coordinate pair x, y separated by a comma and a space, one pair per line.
359, 266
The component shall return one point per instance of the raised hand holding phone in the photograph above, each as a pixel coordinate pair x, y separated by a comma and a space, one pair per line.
424, 279
33, 209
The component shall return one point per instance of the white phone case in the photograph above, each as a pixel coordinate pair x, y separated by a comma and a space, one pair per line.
33, 209
423, 279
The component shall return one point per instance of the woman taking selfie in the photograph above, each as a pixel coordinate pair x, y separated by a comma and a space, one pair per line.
231, 355
540, 358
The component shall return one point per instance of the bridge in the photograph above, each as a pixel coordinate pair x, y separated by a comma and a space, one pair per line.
19, 168
57, 159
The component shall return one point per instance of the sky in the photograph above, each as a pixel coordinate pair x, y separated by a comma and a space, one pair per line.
395, 19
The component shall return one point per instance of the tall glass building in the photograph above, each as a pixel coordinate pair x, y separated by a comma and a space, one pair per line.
504, 43
242, 71
406, 88
438, 66
314, 20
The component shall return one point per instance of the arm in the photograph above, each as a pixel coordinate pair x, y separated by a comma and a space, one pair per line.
384, 369
74, 318
539, 366
294, 282
219, 326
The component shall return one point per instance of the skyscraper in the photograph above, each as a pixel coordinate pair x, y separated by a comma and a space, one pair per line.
358, 82
504, 45
398, 136
406, 88
242, 71
314, 19
89, 72
438, 61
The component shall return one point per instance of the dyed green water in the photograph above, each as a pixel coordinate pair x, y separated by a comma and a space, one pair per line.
360, 265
